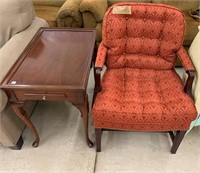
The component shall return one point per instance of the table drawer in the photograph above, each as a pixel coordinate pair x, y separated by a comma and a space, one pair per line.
25, 95
75, 97
45, 96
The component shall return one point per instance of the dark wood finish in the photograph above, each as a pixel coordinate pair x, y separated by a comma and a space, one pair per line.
98, 134
189, 82
177, 141
54, 66
18, 109
84, 109
171, 133
97, 78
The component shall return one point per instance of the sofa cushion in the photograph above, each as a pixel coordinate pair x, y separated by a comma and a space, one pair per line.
15, 16
147, 38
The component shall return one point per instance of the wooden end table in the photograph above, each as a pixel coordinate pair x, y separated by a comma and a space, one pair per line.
54, 66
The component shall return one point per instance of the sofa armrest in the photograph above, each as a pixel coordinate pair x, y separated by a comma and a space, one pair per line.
96, 7
101, 56
69, 14
10, 52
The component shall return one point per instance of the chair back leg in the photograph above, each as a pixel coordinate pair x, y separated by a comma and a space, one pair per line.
177, 141
98, 133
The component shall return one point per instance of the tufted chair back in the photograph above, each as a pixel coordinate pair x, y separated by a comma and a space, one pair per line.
144, 36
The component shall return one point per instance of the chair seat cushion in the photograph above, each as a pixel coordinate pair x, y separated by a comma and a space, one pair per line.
142, 100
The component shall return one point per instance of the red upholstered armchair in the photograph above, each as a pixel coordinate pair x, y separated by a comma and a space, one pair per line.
140, 90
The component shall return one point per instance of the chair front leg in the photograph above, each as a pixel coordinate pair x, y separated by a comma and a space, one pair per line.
177, 141
98, 133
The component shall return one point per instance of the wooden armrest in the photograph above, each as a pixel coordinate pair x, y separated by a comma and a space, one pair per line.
98, 79
189, 82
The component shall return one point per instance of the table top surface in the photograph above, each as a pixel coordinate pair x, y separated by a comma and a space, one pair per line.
55, 58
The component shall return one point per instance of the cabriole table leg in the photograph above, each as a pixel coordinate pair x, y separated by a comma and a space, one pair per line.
19, 110
84, 109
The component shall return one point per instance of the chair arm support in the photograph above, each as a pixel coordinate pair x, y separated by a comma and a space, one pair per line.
99, 63
96, 7
69, 14
185, 59
189, 82
101, 55
98, 79
189, 68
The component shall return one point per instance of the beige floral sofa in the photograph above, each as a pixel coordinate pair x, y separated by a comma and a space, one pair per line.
18, 25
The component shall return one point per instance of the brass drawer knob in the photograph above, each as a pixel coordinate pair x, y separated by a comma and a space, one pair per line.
44, 97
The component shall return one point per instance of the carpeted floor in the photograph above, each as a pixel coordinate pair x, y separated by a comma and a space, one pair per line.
63, 148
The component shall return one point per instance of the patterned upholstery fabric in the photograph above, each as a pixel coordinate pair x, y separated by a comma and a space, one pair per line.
101, 55
156, 31
140, 88
185, 59
143, 99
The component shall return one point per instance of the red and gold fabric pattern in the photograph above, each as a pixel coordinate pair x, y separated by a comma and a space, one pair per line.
185, 59
156, 31
140, 88
142, 99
